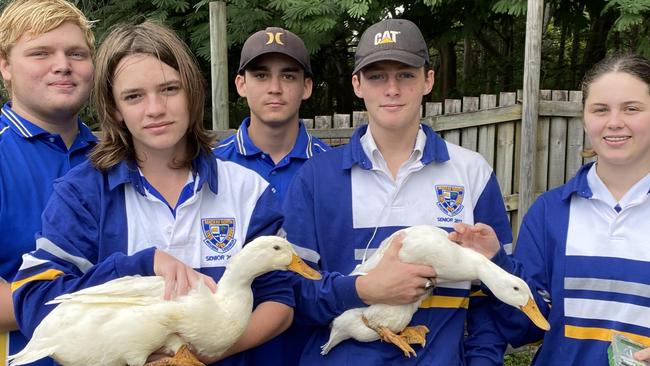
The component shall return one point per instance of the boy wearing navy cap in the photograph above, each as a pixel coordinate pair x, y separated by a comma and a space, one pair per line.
275, 77
394, 173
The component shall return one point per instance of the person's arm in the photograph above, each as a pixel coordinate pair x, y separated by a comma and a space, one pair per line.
7, 318
528, 263
66, 257
484, 345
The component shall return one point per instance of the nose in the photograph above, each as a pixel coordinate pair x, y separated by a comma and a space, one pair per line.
61, 63
156, 106
615, 120
392, 86
275, 86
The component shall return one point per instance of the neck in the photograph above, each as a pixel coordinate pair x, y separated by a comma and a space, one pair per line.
63, 124
238, 273
168, 181
619, 179
485, 271
395, 146
275, 140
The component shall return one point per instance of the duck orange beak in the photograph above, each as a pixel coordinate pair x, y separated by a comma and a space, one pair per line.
301, 268
532, 311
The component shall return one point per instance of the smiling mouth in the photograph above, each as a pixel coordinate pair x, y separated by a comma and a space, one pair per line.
616, 138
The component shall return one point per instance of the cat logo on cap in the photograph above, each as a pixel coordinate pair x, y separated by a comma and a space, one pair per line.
386, 37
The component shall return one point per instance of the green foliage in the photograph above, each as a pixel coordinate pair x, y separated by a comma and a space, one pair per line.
494, 30
511, 7
356, 9
632, 12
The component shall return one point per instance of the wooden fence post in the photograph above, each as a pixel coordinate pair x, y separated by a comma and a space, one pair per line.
530, 108
219, 64
487, 134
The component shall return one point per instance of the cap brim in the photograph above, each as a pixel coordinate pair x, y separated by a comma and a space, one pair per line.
243, 67
391, 55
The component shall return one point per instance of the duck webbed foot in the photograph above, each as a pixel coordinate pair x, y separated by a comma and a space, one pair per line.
388, 336
415, 335
182, 358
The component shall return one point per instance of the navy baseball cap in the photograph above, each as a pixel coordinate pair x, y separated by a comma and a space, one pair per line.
391, 40
274, 40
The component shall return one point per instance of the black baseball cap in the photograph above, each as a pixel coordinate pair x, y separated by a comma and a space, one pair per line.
391, 40
274, 40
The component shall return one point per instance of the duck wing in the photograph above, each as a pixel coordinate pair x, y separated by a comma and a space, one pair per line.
133, 290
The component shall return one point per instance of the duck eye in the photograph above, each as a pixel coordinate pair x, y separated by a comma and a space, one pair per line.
276, 247
516, 288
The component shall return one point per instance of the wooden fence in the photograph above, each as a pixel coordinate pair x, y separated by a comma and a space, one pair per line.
491, 125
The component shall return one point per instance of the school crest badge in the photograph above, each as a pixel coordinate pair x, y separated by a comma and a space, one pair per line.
450, 199
219, 234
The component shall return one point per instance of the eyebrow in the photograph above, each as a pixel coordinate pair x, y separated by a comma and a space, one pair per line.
48, 47
255, 68
162, 85
380, 68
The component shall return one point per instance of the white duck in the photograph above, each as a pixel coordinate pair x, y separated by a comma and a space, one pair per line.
428, 245
123, 321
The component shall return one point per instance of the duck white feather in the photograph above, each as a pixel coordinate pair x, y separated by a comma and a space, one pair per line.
428, 245
123, 321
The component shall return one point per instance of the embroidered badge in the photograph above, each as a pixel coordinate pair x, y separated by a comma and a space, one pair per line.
219, 234
450, 199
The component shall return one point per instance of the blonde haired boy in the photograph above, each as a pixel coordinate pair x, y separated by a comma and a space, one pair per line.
46, 49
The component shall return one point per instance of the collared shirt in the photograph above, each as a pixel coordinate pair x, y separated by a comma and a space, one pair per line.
588, 267
241, 149
379, 163
340, 207
105, 225
284, 350
30, 160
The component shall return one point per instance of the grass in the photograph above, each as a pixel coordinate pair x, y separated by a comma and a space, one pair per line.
520, 357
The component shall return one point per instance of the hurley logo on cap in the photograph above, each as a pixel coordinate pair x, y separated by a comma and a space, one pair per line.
386, 37
275, 37
274, 40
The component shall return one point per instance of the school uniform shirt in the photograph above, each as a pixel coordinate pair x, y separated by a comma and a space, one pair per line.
241, 149
586, 258
30, 160
285, 349
343, 203
101, 226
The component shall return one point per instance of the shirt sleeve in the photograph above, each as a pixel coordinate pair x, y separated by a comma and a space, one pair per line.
66, 257
529, 262
484, 344
266, 219
317, 302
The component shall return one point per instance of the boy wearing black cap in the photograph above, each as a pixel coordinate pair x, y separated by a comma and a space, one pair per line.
394, 173
275, 77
